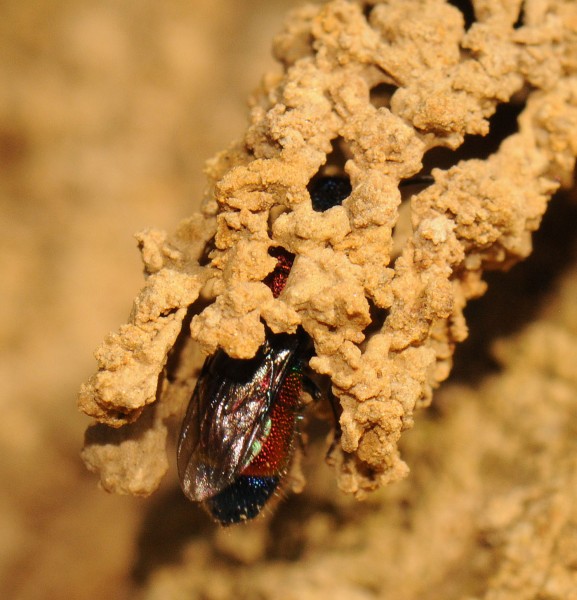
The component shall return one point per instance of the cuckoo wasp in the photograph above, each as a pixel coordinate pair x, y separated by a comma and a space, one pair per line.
237, 437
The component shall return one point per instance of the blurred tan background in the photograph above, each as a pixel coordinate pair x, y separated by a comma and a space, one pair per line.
108, 111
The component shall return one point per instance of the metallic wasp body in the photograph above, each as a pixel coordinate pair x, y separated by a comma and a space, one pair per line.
238, 434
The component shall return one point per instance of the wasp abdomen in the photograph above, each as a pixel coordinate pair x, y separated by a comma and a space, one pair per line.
252, 489
243, 499
237, 437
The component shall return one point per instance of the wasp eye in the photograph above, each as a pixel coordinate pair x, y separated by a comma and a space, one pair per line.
327, 192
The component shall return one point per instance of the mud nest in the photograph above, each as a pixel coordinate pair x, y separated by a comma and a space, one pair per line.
372, 91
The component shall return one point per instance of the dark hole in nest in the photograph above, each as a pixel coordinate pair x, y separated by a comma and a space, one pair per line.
367, 10
204, 258
378, 317
380, 95
466, 7
336, 159
403, 227
502, 124
328, 191
330, 185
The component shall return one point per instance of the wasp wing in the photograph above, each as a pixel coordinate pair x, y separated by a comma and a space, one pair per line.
228, 412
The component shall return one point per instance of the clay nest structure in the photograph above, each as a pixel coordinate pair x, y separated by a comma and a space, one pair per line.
370, 90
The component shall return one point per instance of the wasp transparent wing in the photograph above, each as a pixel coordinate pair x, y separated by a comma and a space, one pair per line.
228, 413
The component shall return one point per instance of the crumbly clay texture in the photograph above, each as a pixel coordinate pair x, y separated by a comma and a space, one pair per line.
379, 283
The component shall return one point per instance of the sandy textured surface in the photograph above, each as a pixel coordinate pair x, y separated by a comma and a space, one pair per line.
106, 117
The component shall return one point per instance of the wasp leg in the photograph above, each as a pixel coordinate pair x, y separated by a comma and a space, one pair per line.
337, 411
424, 180
312, 388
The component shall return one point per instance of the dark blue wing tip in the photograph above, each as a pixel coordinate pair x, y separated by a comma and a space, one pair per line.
242, 500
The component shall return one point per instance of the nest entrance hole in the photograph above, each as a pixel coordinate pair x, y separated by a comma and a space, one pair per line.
467, 9
502, 124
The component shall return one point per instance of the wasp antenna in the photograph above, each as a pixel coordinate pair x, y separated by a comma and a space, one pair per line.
337, 411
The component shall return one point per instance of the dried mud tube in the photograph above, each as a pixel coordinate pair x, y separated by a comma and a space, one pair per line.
379, 283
